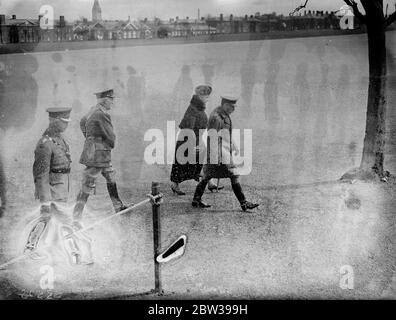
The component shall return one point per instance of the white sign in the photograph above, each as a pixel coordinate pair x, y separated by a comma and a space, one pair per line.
176, 249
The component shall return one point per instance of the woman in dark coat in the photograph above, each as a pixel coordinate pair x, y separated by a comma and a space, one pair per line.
195, 118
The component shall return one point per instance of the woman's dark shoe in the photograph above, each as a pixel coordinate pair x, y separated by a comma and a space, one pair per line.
175, 188
200, 204
211, 188
248, 205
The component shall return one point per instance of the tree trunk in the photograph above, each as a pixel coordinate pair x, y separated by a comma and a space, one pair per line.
2, 178
374, 141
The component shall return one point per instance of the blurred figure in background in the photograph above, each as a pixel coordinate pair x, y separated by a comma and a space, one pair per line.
18, 104
134, 126
136, 92
181, 92
208, 71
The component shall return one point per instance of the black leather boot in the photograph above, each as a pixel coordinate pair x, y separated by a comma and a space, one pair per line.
247, 205
115, 199
197, 202
200, 204
237, 188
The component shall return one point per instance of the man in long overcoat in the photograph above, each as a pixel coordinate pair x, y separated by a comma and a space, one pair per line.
219, 158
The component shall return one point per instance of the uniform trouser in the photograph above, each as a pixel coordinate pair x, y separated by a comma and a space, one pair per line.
92, 173
88, 187
58, 188
236, 187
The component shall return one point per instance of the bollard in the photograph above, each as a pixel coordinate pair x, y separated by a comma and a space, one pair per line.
157, 238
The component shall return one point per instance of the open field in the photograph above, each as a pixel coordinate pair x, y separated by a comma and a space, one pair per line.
305, 101
89, 44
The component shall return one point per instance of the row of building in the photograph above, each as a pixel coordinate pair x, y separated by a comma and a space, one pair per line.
273, 22
13, 30
28, 30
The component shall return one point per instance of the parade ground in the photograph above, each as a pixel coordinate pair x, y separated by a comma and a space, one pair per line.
305, 101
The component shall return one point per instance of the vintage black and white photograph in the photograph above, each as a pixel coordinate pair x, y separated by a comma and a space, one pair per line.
213, 149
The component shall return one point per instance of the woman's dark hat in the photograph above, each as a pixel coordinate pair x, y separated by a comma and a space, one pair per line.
203, 90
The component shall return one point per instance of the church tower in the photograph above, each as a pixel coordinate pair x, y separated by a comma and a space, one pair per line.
96, 12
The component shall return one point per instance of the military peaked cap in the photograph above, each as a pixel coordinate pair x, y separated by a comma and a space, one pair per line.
229, 99
104, 94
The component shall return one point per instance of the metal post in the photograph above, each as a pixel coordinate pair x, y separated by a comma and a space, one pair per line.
156, 237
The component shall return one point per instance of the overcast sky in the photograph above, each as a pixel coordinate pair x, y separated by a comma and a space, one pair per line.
165, 9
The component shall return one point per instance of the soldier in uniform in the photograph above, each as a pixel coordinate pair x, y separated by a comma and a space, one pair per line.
223, 167
99, 135
51, 169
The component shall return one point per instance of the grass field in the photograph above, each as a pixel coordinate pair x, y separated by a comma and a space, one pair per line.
305, 101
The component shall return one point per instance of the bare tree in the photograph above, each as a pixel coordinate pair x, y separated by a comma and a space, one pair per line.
299, 8
376, 22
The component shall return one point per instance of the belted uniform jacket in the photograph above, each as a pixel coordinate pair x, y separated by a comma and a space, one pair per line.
98, 131
51, 167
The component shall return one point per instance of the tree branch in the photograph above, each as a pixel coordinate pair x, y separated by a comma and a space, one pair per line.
356, 12
390, 19
298, 8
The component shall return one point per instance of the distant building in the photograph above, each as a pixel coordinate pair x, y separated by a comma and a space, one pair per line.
62, 31
96, 12
271, 22
28, 30
187, 27
18, 30
110, 30
13, 30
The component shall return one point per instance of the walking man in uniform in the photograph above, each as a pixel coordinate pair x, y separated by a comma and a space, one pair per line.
51, 169
222, 167
99, 135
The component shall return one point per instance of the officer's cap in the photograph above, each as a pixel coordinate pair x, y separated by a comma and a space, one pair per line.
228, 99
105, 94
60, 113
203, 90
